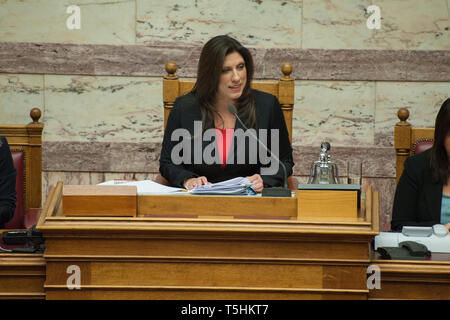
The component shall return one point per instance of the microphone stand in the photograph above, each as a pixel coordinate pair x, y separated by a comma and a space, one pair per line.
273, 191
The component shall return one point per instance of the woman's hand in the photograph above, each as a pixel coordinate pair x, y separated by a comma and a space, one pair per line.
195, 182
257, 181
448, 227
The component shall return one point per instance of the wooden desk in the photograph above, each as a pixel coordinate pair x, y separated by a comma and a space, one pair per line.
22, 276
408, 279
206, 258
214, 258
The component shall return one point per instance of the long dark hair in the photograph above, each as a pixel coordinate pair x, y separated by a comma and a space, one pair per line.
439, 159
209, 71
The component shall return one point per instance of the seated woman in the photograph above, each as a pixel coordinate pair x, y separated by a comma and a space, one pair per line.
225, 71
7, 183
422, 197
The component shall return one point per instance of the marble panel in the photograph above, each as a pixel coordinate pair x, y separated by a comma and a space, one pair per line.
412, 25
268, 23
46, 58
376, 162
426, 65
19, 93
106, 109
423, 100
335, 24
144, 157
341, 113
320, 64
150, 61
145, 60
101, 156
102, 21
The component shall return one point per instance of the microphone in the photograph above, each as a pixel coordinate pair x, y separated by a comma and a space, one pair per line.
266, 192
31, 238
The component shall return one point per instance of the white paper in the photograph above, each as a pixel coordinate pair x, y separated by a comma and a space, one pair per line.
144, 187
236, 186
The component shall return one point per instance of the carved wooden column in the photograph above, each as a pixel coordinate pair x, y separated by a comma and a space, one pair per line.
402, 140
286, 95
171, 87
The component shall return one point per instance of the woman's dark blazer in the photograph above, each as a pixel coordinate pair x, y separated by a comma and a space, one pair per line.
186, 110
417, 199
7, 183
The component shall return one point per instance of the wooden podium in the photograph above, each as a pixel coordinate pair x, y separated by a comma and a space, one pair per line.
205, 247
252, 248
22, 276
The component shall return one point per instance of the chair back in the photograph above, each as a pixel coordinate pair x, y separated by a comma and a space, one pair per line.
17, 221
409, 140
25, 142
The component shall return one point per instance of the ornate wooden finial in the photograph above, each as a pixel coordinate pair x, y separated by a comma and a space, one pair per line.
35, 114
403, 114
286, 68
171, 68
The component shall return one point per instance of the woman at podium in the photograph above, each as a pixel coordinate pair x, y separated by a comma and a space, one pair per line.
212, 151
422, 197
7, 183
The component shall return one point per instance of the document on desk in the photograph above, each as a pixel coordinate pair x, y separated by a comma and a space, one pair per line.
235, 186
145, 187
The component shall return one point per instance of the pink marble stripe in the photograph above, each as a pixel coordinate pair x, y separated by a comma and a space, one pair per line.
144, 157
143, 60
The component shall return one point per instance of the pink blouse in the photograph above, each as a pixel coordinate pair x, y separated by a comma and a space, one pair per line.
224, 140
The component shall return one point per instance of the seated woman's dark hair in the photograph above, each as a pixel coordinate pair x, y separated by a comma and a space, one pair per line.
439, 158
209, 71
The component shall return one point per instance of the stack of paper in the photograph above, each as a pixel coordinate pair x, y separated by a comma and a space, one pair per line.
145, 187
236, 186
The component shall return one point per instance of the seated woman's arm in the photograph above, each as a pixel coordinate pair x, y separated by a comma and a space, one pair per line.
408, 192
176, 174
7, 183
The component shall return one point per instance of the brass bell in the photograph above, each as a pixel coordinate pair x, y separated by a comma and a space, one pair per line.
324, 171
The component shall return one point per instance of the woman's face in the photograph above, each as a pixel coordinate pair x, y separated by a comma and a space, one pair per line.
233, 78
447, 144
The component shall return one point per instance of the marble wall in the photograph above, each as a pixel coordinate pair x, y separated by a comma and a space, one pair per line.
100, 87
405, 25
323, 24
102, 21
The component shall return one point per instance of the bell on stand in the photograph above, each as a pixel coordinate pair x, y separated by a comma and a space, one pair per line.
324, 171
324, 196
